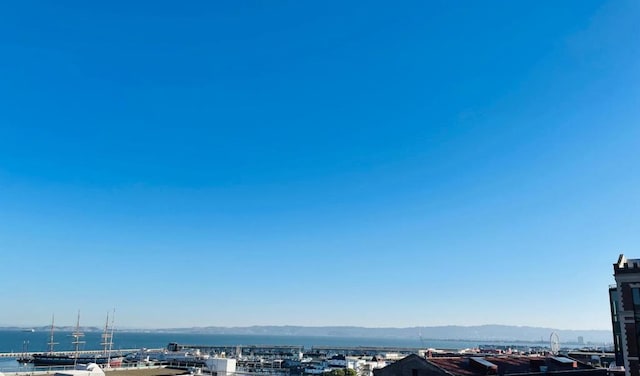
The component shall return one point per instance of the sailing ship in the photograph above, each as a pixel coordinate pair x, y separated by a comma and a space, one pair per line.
104, 359
25, 358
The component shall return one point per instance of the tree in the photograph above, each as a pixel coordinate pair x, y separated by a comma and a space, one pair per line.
341, 372
335, 372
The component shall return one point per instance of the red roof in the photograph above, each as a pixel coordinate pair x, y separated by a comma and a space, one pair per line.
460, 366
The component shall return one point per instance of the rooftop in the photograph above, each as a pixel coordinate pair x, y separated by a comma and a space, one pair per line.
625, 264
466, 366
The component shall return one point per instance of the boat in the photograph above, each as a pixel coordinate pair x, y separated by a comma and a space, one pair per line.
31, 330
169, 356
70, 360
55, 359
25, 357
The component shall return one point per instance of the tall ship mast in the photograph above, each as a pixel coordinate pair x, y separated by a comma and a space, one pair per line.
107, 337
53, 359
111, 338
77, 334
51, 342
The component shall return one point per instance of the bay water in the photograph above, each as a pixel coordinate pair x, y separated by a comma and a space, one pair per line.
22, 341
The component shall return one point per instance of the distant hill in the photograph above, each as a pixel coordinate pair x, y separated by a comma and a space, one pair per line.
451, 332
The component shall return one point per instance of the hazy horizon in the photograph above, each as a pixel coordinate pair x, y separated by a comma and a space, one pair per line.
444, 333
125, 327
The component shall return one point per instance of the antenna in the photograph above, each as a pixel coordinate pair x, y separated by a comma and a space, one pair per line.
554, 342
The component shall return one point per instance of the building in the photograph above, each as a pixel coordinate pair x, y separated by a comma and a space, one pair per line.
521, 365
625, 313
221, 366
412, 365
615, 325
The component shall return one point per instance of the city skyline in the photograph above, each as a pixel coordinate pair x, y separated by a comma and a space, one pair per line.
317, 164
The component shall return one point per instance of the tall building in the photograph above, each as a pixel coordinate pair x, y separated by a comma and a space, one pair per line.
625, 314
615, 324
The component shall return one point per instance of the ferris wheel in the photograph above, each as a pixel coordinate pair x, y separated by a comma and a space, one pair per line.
554, 342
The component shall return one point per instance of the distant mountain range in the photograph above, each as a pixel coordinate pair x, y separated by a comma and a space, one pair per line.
450, 332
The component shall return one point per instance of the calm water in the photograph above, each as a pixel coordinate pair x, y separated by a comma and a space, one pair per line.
18, 341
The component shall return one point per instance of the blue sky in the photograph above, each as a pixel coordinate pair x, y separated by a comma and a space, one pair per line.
317, 163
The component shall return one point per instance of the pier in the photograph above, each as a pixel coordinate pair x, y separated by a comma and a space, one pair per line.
70, 352
364, 350
119, 371
247, 350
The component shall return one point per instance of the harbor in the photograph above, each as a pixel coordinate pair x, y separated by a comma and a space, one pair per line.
202, 357
282, 360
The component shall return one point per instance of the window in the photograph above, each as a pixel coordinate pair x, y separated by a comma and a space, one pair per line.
613, 297
636, 296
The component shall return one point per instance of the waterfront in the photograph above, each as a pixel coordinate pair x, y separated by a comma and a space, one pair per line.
18, 341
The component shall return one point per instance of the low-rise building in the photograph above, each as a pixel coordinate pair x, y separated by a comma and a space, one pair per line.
414, 365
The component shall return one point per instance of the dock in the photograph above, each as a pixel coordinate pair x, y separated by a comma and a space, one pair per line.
125, 371
70, 352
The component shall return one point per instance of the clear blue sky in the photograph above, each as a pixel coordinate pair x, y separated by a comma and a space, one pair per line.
317, 163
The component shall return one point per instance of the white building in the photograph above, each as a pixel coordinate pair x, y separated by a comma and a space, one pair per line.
221, 366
